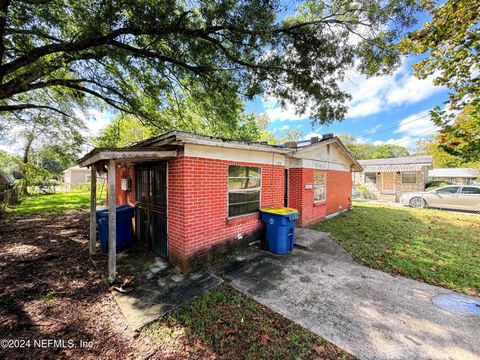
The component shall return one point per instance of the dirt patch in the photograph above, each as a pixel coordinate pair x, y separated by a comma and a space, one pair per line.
51, 292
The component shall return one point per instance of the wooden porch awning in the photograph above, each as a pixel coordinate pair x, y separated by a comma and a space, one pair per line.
130, 155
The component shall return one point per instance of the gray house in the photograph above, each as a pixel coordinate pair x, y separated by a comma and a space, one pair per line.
388, 179
459, 176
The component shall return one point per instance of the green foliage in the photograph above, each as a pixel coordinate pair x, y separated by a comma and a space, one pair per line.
460, 137
140, 57
9, 163
291, 135
451, 41
33, 175
366, 151
437, 247
123, 131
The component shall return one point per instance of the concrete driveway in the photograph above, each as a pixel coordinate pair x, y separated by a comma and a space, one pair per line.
367, 312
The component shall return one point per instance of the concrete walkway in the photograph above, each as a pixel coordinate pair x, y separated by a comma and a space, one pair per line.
367, 312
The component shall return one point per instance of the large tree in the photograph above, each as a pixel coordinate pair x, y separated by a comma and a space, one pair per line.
451, 44
363, 151
134, 55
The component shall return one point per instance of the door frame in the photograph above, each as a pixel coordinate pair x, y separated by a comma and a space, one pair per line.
138, 230
286, 187
388, 191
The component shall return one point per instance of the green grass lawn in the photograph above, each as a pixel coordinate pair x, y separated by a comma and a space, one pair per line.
438, 247
55, 203
232, 326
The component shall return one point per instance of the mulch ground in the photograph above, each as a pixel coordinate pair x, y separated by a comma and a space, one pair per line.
50, 291
52, 298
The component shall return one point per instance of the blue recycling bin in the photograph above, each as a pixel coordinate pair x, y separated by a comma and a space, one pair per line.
280, 229
124, 227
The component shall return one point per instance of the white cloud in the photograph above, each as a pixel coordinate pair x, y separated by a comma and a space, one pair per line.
369, 95
277, 113
406, 141
376, 94
409, 90
364, 108
285, 127
411, 129
418, 125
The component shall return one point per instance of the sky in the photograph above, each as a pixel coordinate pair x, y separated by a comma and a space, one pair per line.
388, 109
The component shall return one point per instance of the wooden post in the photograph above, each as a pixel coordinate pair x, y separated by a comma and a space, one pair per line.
112, 223
93, 207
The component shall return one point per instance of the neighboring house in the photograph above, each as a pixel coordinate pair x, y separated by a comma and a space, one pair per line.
459, 176
76, 176
197, 197
389, 178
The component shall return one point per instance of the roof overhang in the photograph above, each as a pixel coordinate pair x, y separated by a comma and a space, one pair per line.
176, 137
393, 168
122, 155
355, 164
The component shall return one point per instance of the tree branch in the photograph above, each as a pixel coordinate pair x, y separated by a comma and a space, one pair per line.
20, 107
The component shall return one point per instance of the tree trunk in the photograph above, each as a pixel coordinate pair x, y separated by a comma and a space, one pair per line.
26, 151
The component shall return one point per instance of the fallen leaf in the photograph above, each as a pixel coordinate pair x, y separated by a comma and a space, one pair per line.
264, 339
230, 331
318, 348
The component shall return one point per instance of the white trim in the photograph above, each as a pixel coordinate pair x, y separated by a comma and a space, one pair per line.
240, 155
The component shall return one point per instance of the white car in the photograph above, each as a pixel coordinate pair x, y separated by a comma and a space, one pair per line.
461, 197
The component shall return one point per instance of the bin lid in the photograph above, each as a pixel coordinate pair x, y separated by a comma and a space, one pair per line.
280, 211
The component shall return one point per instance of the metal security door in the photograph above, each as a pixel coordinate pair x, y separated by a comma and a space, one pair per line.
152, 206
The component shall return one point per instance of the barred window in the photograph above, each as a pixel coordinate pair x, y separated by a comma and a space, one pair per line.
320, 186
370, 178
244, 184
409, 177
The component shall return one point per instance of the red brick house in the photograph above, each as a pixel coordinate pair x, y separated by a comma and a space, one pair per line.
197, 196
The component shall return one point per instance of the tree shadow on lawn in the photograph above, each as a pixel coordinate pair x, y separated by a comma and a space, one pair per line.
50, 290
440, 248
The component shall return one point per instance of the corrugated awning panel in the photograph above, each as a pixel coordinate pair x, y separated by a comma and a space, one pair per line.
391, 168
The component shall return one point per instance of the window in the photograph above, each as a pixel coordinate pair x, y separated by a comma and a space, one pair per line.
448, 190
471, 190
370, 178
244, 183
409, 177
319, 186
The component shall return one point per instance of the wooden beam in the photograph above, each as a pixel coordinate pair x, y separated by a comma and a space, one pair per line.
93, 207
122, 154
112, 223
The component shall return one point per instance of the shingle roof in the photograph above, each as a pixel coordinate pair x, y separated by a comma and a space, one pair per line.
454, 172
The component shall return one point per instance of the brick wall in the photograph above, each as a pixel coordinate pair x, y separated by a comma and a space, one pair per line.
302, 199
198, 220
339, 188
339, 191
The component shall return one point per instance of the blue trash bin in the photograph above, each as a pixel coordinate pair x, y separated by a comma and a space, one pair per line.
124, 227
280, 229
